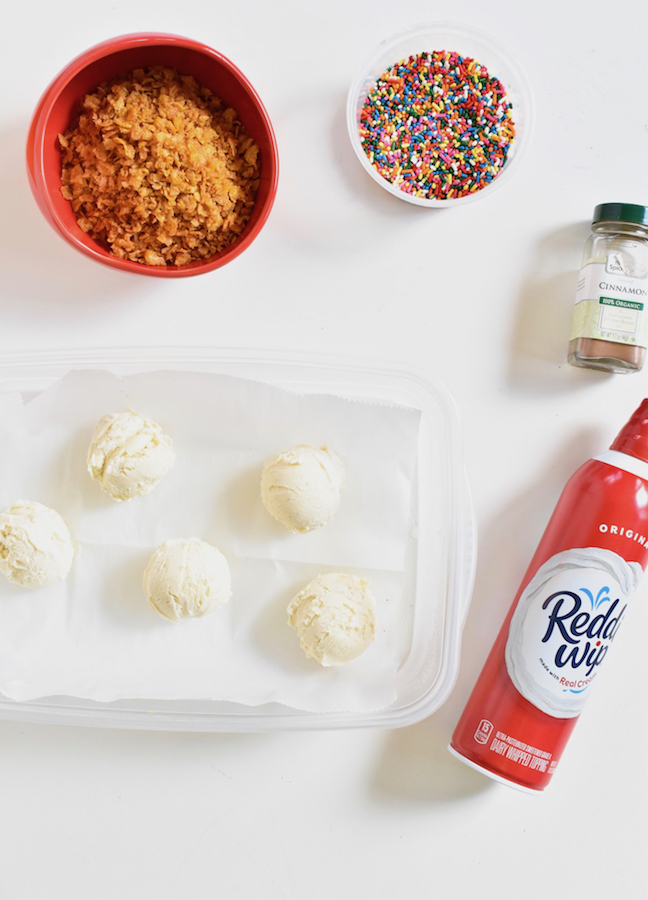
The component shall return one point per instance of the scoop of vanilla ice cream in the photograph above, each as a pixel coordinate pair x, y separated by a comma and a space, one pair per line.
187, 578
334, 616
301, 488
36, 548
129, 455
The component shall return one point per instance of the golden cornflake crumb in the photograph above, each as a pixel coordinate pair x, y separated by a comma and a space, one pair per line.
158, 169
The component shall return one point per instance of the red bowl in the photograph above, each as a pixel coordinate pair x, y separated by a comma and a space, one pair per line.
62, 100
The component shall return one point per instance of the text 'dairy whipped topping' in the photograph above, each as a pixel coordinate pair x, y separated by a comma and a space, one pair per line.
564, 619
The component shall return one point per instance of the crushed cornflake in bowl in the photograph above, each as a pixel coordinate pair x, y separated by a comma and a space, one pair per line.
158, 169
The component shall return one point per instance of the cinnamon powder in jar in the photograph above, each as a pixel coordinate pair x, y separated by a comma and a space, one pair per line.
610, 323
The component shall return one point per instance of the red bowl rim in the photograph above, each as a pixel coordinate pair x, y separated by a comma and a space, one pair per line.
43, 110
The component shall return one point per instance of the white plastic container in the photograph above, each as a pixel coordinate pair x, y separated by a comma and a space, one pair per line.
441, 549
465, 41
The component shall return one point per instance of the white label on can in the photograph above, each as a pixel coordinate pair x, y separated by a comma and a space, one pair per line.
563, 625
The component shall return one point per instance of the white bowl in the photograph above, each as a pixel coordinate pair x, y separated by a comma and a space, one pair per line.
466, 42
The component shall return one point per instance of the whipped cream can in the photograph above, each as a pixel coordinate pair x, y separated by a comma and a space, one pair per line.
562, 625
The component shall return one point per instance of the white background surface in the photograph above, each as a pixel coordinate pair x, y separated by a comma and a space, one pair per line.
479, 296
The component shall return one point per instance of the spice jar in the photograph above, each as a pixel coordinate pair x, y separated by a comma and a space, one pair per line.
610, 324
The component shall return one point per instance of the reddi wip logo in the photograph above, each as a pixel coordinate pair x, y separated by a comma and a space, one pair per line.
563, 625
583, 638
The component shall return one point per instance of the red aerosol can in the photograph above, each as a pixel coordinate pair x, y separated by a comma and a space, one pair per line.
572, 601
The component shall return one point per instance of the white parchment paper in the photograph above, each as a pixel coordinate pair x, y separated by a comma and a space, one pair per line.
94, 636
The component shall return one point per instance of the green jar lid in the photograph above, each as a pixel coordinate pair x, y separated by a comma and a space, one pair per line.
621, 212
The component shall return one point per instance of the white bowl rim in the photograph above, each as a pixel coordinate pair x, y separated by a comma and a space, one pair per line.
461, 30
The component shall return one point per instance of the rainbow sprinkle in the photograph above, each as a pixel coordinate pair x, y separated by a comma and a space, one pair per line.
437, 125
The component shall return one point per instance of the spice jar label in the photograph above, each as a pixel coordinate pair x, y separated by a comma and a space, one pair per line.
610, 303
